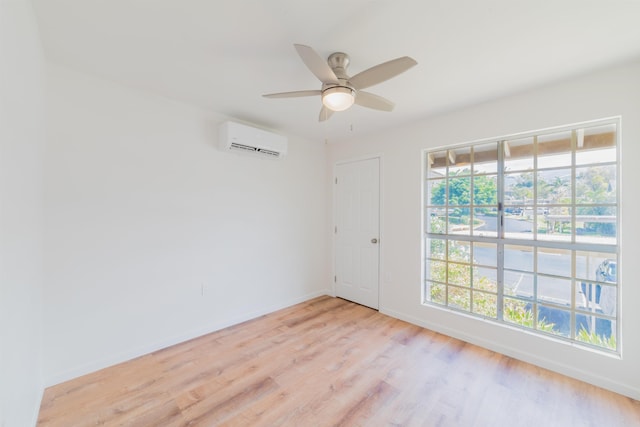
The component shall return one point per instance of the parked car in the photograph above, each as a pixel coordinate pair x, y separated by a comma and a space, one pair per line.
539, 210
599, 298
513, 210
606, 272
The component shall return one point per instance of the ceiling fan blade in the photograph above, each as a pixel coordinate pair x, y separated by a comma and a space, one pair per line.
318, 66
382, 72
294, 94
325, 113
369, 100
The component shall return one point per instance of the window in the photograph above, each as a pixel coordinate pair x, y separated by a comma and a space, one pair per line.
524, 231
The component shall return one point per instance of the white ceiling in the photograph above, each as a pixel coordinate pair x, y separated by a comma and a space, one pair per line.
223, 55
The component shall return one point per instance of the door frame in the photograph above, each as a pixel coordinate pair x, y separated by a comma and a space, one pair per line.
334, 217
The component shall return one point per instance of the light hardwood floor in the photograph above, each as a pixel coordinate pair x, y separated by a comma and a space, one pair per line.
329, 362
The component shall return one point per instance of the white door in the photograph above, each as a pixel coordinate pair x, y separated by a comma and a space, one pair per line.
357, 228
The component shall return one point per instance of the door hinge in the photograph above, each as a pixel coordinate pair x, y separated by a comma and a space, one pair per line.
335, 279
336, 180
335, 229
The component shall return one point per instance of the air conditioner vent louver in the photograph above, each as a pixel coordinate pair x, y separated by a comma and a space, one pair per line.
269, 152
246, 139
272, 153
242, 147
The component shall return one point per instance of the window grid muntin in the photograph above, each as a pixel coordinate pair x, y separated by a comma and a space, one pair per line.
573, 245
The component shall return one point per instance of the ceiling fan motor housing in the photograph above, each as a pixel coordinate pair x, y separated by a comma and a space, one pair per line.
339, 62
338, 97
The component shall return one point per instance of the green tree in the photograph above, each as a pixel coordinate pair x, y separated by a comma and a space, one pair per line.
560, 190
522, 191
484, 192
594, 186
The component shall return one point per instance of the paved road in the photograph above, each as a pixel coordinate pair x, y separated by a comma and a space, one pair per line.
519, 277
512, 225
520, 280
553, 263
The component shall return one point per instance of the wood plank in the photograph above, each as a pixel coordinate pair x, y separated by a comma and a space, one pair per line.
330, 362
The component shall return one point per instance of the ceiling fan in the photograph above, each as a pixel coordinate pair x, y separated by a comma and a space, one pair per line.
339, 91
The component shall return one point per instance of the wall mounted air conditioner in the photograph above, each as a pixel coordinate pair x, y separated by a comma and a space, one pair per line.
247, 139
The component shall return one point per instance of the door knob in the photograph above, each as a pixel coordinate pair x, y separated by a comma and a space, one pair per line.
374, 240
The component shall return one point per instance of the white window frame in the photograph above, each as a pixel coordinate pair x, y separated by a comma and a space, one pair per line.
536, 245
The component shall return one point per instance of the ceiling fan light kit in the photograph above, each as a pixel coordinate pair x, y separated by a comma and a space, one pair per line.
338, 98
339, 91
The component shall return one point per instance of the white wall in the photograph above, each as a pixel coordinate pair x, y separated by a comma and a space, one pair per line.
603, 94
21, 147
143, 212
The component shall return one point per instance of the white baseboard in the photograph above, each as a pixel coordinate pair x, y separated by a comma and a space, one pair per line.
545, 363
140, 351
